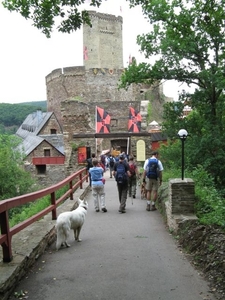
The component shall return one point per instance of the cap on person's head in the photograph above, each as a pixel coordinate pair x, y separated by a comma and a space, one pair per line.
121, 157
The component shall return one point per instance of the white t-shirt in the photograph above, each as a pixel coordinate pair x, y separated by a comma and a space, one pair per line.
160, 166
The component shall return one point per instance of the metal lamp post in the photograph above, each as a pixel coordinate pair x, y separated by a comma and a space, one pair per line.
182, 133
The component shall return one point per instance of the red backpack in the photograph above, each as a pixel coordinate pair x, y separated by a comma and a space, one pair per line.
132, 169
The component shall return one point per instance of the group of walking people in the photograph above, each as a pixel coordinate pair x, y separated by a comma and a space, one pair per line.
126, 174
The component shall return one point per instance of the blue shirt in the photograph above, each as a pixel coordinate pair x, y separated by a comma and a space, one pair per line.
96, 175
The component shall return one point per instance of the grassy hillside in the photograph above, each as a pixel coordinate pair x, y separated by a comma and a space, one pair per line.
41, 104
13, 115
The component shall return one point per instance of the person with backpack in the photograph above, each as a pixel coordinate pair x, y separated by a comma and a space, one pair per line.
111, 163
152, 177
98, 190
90, 165
132, 180
121, 174
102, 159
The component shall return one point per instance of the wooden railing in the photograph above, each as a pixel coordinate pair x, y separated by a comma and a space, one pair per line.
73, 181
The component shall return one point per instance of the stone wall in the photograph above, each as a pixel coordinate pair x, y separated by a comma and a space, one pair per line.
39, 151
181, 196
107, 143
103, 45
74, 92
79, 117
133, 148
176, 201
93, 85
98, 79
53, 175
51, 124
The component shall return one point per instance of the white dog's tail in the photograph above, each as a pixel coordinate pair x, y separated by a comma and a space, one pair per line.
62, 234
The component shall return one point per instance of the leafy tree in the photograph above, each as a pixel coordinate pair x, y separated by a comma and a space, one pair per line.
45, 14
188, 41
13, 115
14, 180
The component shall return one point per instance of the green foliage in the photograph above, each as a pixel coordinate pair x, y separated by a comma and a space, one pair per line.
136, 74
210, 205
45, 13
13, 115
20, 214
38, 104
170, 155
149, 112
172, 118
187, 41
14, 180
75, 146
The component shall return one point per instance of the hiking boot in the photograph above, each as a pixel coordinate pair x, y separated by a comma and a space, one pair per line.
153, 207
122, 210
104, 209
148, 207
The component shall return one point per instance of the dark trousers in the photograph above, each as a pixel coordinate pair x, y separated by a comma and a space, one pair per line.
122, 190
132, 182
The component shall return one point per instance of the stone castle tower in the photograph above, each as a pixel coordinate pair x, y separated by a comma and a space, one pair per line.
96, 81
103, 43
74, 92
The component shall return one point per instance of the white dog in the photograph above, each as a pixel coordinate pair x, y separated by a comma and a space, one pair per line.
70, 220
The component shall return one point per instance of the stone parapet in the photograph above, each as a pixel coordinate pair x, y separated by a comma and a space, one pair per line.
176, 201
181, 196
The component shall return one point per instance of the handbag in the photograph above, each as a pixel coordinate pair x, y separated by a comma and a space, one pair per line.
103, 180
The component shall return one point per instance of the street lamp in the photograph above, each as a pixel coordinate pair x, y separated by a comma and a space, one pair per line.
182, 133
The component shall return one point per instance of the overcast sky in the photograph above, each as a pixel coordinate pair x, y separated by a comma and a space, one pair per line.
27, 56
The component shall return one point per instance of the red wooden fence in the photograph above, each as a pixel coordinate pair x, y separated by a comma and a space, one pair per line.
73, 181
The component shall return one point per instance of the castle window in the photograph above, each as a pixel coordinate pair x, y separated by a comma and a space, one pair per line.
41, 169
47, 152
53, 131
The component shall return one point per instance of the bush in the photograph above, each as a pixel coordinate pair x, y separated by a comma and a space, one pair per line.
210, 206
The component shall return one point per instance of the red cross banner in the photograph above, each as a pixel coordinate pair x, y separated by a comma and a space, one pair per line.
85, 53
134, 122
102, 120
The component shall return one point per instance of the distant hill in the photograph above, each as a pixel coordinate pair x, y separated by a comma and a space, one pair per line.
41, 104
13, 115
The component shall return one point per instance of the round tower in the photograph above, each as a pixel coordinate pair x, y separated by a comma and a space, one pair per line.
98, 79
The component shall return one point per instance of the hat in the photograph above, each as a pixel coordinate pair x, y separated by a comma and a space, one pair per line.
121, 157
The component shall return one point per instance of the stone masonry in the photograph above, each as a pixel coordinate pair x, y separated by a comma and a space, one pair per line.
98, 79
181, 196
103, 47
177, 200
74, 92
